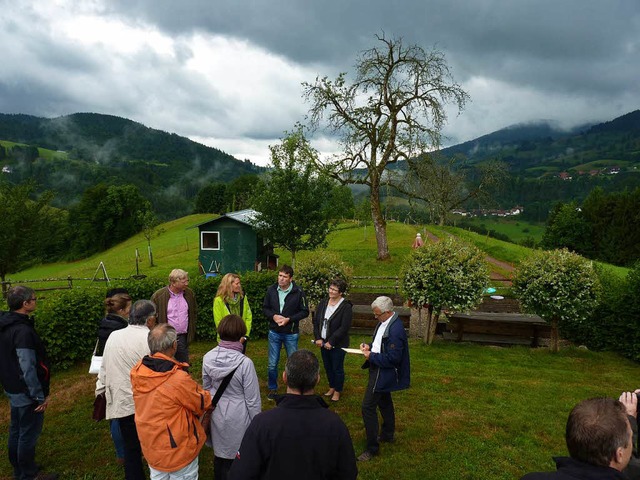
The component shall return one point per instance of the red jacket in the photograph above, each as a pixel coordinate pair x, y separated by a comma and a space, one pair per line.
168, 405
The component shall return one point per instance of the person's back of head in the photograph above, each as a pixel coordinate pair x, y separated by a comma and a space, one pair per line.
598, 433
141, 312
232, 328
16, 296
301, 372
162, 339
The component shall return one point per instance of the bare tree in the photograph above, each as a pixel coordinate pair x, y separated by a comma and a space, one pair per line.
444, 183
394, 110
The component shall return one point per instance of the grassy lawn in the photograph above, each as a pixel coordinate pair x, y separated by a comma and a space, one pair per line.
516, 230
472, 412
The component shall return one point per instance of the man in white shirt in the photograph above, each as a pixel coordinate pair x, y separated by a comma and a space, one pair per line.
387, 358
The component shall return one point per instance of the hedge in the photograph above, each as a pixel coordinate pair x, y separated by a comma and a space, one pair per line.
68, 320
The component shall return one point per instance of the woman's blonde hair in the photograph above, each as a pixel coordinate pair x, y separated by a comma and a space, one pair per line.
225, 290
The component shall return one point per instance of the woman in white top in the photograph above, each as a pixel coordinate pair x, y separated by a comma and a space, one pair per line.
331, 324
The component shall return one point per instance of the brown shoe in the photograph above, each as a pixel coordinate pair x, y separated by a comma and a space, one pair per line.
329, 392
336, 396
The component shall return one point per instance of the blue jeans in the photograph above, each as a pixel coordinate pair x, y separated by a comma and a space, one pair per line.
333, 361
26, 427
116, 436
276, 340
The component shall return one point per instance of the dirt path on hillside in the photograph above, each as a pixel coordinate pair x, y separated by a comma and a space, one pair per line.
497, 276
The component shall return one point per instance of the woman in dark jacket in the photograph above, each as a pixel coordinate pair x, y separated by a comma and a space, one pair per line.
331, 324
117, 306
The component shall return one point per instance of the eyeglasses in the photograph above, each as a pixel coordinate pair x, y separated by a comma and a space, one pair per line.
32, 299
334, 289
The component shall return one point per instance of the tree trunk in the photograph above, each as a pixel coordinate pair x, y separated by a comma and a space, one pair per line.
379, 224
430, 324
554, 335
293, 259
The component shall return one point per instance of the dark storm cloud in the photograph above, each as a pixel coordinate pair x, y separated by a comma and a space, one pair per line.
521, 60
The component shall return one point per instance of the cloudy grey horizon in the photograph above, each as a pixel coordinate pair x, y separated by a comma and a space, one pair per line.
228, 74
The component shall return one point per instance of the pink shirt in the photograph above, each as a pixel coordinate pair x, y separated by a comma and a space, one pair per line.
178, 312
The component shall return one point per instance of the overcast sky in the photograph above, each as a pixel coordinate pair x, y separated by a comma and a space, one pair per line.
228, 73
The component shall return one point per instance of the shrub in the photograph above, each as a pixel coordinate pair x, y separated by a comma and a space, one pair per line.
560, 286
315, 272
447, 274
68, 320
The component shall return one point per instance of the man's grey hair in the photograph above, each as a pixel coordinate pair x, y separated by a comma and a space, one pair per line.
141, 311
161, 338
385, 304
303, 370
18, 295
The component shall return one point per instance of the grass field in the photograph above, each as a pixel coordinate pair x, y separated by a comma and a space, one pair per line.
516, 230
177, 247
472, 412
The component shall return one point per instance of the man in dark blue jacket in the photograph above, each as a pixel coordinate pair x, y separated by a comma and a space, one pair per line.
387, 359
24, 374
284, 305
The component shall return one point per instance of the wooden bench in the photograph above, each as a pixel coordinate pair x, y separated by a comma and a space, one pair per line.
501, 328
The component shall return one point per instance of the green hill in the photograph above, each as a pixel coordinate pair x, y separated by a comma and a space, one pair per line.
71, 153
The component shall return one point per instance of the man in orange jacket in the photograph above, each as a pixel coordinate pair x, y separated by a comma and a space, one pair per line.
168, 405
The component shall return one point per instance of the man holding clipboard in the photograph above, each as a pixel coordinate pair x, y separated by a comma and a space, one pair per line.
387, 359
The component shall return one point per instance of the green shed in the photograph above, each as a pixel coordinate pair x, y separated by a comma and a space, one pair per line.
229, 243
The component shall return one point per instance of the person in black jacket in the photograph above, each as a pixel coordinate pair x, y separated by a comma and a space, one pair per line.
599, 440
24, 374
284, 305
117, 306
300, 438
331, 324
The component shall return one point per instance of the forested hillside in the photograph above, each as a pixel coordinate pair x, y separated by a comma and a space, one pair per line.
72, 153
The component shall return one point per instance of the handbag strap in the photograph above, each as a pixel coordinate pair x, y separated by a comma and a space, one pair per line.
223, 387
95, 349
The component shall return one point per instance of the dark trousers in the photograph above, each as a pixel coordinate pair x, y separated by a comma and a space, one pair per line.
221, 467
26, 427
333, 361
133, 469
372, 401
182, 354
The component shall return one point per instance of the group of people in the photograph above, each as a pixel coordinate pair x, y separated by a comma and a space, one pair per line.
154, 407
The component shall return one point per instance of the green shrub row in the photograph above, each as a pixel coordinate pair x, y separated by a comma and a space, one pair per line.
68, 320
615, 323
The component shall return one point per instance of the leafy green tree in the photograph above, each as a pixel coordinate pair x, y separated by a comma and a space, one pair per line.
293, 202
342, 201
393, 110
316, 270
559, 286
105, 216
567, 228
240, 192
449, 275
22, 222
211, 199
